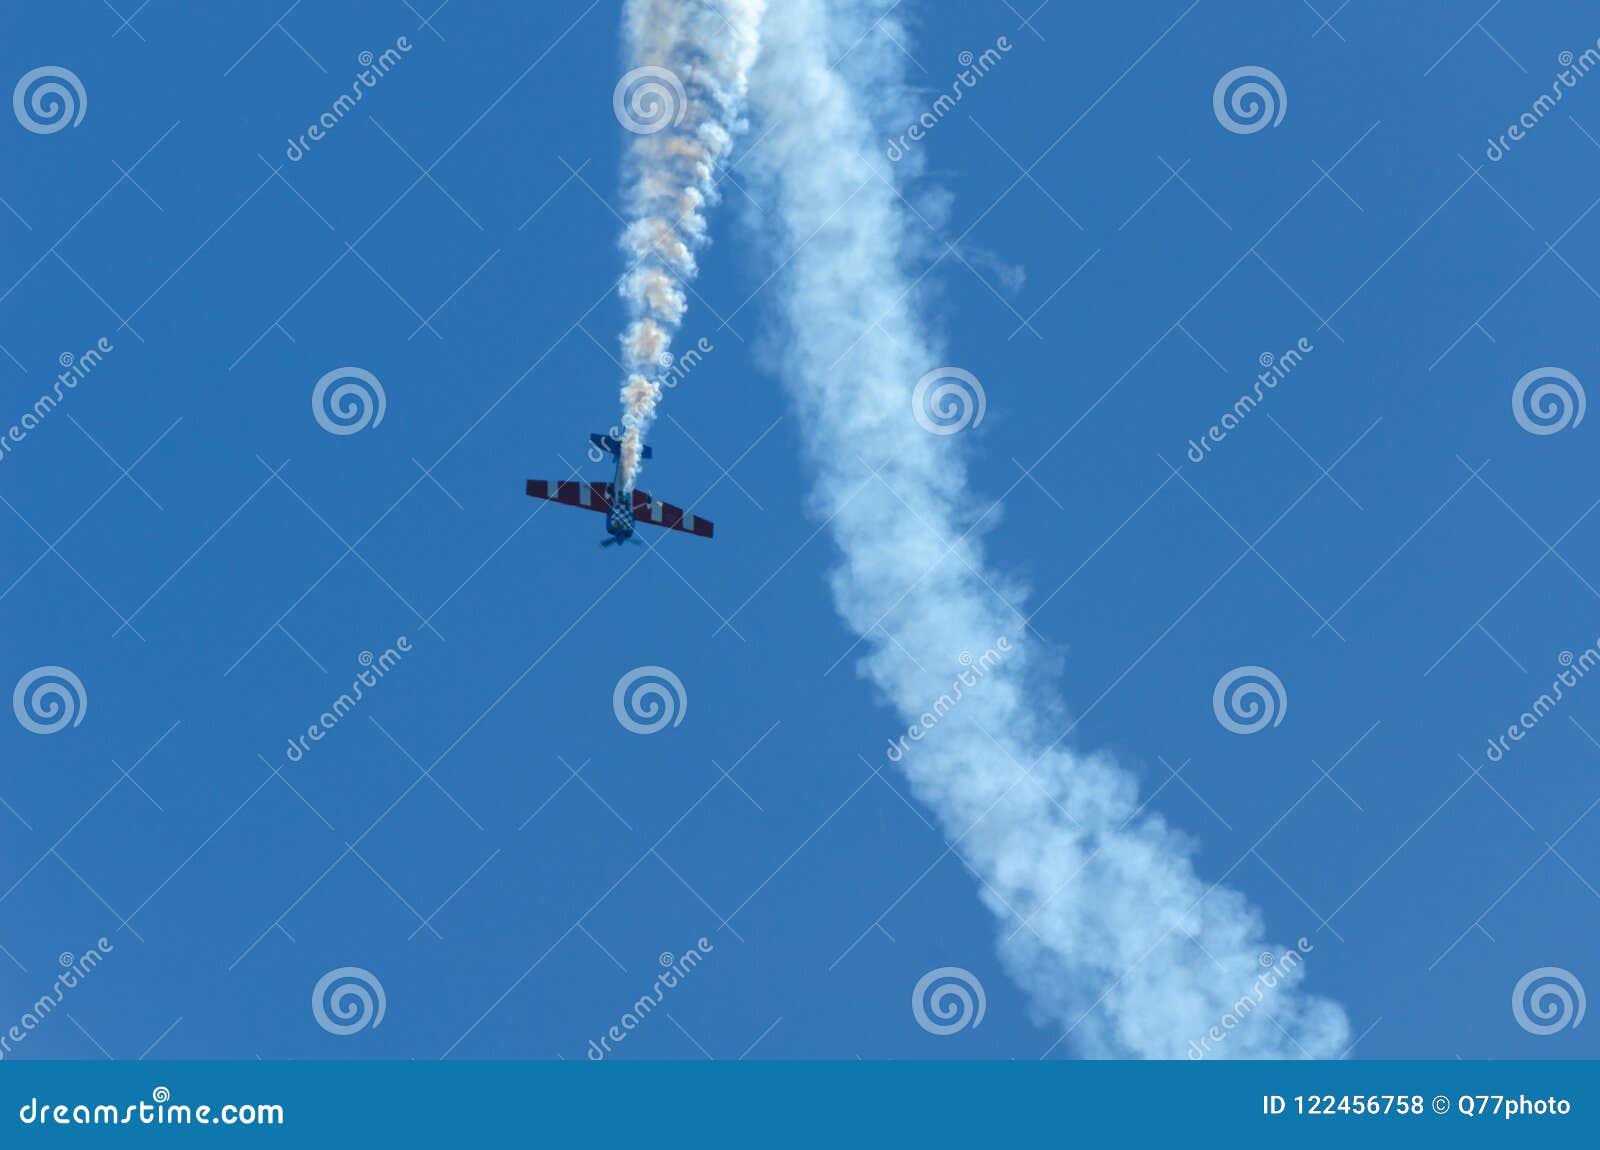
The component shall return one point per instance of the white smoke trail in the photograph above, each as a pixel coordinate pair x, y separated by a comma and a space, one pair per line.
682, 101
1123, 944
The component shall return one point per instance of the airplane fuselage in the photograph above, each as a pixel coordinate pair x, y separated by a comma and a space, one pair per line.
619, 523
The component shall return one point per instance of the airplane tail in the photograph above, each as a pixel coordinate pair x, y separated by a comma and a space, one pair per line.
614, 447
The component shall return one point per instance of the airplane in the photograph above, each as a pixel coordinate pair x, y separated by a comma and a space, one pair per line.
621, 513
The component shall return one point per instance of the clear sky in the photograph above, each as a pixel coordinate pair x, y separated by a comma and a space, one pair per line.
182, 534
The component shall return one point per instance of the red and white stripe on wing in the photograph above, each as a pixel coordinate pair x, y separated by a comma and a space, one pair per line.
574, 493
649, 510
597, 497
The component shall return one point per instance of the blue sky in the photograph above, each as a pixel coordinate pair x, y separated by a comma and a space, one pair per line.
1126, 262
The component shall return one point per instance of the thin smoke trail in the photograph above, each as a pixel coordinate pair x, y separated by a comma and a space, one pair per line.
1105, 922
681, 101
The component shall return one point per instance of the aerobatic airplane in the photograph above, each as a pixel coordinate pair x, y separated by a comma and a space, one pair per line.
621, 513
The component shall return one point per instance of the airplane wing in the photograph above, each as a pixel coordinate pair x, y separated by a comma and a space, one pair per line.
647, 509
574, 493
